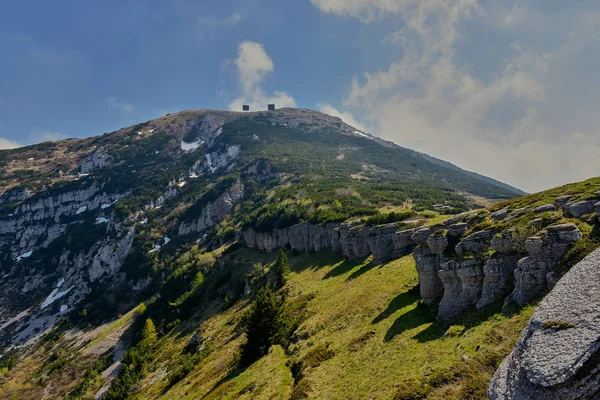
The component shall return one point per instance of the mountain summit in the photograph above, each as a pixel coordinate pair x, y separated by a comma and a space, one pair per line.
80, 215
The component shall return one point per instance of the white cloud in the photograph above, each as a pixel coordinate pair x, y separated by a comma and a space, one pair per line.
346, 116
515, 124
8, 144
120, 105
253, 65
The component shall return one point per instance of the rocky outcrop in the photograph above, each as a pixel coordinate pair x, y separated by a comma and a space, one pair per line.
475, 243
544, 208
218, 159
498, 273
545, 252
462, 282
558, 354
214, 212
97, 159
579, 208
560, 201
353, 240
302, 237
428, 264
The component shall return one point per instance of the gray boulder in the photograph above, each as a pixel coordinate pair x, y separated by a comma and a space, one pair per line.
403, 244
500, 214
456, 230
557, 356
577, 209
544, 208
437, 243
478, 242
562, 200
421, 235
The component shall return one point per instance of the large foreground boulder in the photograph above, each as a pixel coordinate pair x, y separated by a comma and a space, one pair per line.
558, 354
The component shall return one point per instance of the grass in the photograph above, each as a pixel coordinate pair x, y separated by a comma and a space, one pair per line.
362, 337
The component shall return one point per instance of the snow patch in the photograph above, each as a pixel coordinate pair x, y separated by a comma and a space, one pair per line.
166, 239
255, 137
55, 294
101, 220
156, 248
63, 308
104, 206
81, 209
181, 184
24, 255
361, 134
185, 146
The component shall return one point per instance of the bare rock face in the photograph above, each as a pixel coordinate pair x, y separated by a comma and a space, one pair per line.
428, 265
421, 235
381, 242
462, 282
354, 242
502, 242
214, 211
500, 214
478, 242
403, 243
545, 252
577, 209
558, 354
437, 243
456, 230
498, 273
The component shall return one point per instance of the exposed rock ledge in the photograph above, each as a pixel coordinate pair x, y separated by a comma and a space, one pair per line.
558, 353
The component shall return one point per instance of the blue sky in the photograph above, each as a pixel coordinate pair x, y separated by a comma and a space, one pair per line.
507, 89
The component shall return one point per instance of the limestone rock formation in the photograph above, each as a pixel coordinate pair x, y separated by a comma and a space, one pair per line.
215, 211
428, 265
462, 282
498, 273
475, 243
558, 354
545, 252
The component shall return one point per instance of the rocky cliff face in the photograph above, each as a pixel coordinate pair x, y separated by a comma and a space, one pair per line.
459, 266
558, 353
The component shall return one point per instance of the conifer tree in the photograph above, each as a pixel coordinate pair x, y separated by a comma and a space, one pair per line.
281, 269
267, 324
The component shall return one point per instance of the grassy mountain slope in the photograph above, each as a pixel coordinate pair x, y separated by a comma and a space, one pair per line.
362, 331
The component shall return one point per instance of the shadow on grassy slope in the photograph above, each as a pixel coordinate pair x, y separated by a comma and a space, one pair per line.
402, 300
341, 268
421, 315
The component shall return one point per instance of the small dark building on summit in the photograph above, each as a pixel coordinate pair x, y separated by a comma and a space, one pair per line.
245, 107
271, 107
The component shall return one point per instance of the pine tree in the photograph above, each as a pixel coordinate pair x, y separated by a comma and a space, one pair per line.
149, 335
267, 324
281, 269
